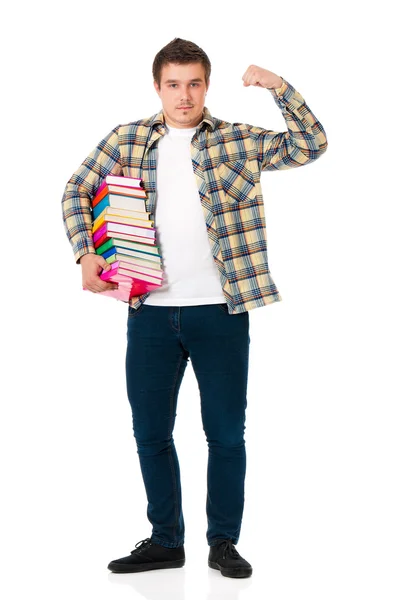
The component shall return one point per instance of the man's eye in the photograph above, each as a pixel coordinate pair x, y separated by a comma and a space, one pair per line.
172, 84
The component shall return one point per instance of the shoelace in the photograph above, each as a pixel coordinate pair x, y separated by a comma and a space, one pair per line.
144, 544
229, 547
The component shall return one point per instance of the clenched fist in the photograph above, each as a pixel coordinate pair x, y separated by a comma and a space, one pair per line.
92, 265
261, 77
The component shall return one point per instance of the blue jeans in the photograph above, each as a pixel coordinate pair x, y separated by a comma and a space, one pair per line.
160, 341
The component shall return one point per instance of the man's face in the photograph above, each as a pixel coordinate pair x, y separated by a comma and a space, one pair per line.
182, 86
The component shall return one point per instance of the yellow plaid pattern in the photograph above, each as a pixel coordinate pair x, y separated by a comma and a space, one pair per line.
227, 160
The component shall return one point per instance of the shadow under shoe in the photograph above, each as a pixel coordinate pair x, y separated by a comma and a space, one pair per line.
149, 555
224, 557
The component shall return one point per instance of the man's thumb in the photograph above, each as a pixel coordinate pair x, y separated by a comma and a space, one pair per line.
105, 265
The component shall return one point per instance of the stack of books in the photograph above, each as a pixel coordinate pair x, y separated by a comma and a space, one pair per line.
125, 236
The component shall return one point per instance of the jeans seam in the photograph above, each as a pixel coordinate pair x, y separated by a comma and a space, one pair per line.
170, 449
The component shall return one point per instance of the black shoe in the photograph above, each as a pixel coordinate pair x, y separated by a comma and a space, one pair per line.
147, 556
224, 557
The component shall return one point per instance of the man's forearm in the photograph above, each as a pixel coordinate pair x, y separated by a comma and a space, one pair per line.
305, 139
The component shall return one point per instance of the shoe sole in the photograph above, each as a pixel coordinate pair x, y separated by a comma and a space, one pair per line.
232, 572
123, 568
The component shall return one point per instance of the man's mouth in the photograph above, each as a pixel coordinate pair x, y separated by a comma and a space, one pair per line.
184, 107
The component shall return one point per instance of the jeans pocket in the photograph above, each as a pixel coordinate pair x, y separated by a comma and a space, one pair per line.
223, 306
132, 312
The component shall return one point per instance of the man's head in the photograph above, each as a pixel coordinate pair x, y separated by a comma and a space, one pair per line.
181, 73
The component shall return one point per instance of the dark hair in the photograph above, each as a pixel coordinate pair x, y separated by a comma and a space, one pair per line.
180, 51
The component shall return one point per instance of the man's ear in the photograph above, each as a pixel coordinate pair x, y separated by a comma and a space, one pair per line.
155, 85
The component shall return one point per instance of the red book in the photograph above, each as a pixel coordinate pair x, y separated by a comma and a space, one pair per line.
105, 233
121, 180
117, 190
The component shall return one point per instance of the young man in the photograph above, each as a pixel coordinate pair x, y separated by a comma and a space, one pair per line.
202, 178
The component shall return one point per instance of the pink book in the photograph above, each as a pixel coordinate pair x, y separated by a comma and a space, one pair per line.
113, 275
137, 270
140, 286
127, 286
113, 228
123, 291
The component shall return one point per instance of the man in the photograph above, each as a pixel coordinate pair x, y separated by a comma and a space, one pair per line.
202, 177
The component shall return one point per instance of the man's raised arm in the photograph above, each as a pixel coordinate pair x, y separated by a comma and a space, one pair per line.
305, 140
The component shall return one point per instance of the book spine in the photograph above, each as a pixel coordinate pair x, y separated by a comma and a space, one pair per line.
112, 201
122, 180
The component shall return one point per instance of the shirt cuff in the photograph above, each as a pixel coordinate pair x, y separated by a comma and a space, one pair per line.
282, 89
82, 247
283, 94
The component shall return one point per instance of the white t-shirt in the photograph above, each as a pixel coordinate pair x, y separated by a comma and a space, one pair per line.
190, 275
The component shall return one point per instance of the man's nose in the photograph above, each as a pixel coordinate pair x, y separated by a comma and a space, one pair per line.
185, 93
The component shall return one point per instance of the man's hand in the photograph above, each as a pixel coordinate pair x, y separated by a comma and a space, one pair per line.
261, 78
92, 265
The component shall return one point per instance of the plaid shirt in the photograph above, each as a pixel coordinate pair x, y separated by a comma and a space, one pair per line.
227, 160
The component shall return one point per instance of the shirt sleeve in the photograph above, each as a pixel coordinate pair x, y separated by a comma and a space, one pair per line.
302, 143
82, 187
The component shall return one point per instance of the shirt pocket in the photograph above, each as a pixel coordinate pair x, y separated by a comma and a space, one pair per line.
237, 181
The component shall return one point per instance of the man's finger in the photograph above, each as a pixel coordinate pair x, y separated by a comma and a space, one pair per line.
245, 74
98, 285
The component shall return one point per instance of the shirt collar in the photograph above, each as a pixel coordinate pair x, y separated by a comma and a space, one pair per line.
207, 118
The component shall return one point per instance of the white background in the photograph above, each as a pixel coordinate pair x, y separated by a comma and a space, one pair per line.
320, 518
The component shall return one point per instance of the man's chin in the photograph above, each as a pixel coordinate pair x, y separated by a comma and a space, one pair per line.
184, 116
184, 121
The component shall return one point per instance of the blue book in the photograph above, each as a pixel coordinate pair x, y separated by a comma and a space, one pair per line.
109, 252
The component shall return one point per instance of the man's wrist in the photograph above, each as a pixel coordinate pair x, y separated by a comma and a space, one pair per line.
84, 256
83, 253
278, 84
